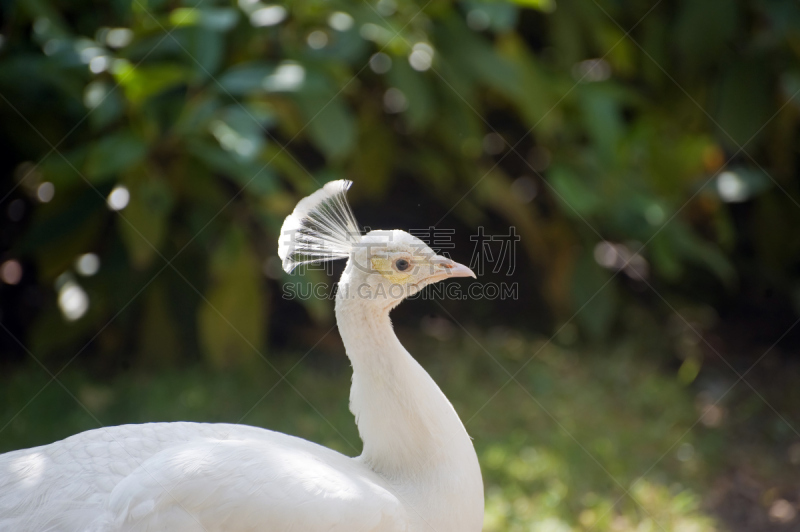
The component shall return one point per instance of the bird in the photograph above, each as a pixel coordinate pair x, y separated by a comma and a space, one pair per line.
418, 470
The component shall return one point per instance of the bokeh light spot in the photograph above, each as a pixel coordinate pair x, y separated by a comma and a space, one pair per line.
99, 64
592, 70
45, 192
386, 8
87, 53
685, 452
380, 63
11, 272
654, 214
119, 37
87, 264
493, 144
524, 189
72, 300
394, 101
478, 19
289, 76
421, 57
16, 210
731, 187
782, 511
340, 21
119, 198
317, 39
52, 46
268, 16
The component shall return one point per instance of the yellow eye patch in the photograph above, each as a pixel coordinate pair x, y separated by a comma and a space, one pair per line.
383, 266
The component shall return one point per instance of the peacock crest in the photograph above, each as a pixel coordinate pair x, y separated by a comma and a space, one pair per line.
321, 228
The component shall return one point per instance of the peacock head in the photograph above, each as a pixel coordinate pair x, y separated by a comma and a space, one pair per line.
383, 266
388, 266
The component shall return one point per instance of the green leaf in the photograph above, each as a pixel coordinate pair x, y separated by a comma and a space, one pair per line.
104, 102
196, 115
143, 226
25, 72
113, 154
698, 41
784, 18
568, 35
594, 296
376, 156
64, 169
417, 89
773, 248
602, 117
689, 370
475, 58
240, 130
213, 18
665, 261
498, 16
62, 230
692, 248
331, 125
51, 334
231, 321
245, 78
319, 309
159, 345
790, 84
548, 6
206, 49
256, 175
574, 191
459, 127
746, 103
533, 94
144, 81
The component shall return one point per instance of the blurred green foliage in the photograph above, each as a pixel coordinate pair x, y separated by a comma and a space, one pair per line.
574, 456
642, 125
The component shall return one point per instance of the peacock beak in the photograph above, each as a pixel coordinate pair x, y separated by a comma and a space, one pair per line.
449, 268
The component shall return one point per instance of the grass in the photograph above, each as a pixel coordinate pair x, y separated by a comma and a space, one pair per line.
575, 442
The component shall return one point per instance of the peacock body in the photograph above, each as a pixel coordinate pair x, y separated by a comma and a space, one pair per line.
418, 470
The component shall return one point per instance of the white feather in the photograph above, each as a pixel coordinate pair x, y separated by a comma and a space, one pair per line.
418, 471
190, 476
321, 228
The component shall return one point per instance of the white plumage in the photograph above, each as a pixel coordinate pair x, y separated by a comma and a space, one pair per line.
321, 227
418, 470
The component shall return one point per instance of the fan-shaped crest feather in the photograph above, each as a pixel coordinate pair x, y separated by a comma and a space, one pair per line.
321, 227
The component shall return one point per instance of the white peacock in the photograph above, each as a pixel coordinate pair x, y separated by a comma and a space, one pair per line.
418, 470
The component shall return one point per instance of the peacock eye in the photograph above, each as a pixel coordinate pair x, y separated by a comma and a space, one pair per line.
401, 265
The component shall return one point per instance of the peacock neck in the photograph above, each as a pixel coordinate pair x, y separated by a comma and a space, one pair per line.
408, 427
